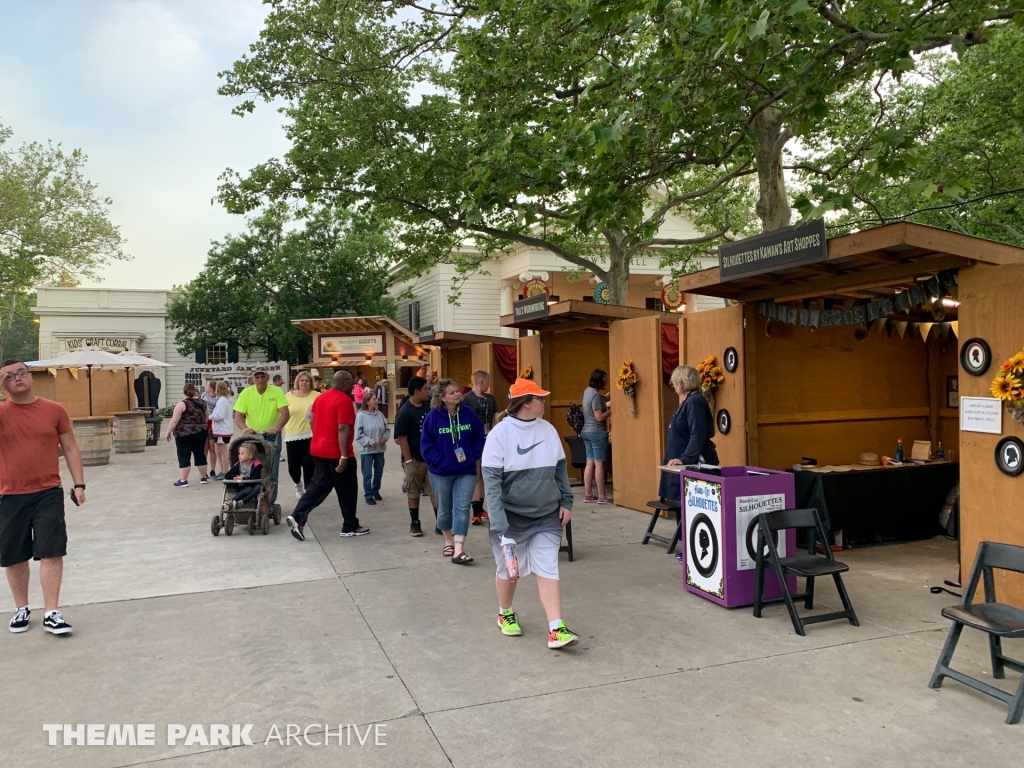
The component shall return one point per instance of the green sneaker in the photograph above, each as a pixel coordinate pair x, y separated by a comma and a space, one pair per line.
509, 623
561, 637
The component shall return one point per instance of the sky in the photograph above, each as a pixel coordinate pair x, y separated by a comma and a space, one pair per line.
133, 84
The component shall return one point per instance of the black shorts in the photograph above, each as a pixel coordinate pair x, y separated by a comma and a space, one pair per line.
32, 527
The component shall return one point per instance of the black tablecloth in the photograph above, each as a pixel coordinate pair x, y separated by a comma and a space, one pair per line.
877, 505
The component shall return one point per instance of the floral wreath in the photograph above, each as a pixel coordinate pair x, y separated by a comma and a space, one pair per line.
526, 373
710, 373
627, 381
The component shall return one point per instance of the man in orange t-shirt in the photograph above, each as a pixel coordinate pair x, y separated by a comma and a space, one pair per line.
31, 498
334, 418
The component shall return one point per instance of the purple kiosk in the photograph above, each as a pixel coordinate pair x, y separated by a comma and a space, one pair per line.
719, 527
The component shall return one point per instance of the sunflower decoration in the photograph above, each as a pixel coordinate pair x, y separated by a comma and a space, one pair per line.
526, 373
710, 373
627, 381
1008, 386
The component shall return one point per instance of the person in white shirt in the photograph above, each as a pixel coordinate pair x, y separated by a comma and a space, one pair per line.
222, 426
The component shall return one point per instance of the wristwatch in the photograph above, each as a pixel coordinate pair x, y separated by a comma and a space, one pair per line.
80, 485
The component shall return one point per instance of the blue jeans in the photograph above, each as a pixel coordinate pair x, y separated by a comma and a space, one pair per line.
596, 445
454, 494
372, 465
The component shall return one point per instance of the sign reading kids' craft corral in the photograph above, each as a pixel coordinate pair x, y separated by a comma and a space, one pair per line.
773, 250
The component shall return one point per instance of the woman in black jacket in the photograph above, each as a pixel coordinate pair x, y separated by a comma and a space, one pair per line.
689, 431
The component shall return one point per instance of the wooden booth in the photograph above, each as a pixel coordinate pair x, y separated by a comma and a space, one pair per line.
571, 339
375, 347
846, 344
457, 355
112, 391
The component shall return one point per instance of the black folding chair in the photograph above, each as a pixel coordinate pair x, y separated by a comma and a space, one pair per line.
567, 547
659, 506
997, 620
809, 566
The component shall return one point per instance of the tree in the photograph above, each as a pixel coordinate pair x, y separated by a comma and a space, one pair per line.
256, 283
20, 337
474, 156
53, 227
933, 143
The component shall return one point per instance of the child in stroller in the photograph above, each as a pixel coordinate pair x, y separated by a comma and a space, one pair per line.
248, 467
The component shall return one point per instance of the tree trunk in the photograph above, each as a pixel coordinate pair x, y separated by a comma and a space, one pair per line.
773, 204
8, 323
618, 269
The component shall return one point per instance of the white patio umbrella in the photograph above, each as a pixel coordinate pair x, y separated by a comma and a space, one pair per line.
90, 358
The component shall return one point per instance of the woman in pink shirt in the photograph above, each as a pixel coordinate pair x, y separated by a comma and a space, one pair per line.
357, 392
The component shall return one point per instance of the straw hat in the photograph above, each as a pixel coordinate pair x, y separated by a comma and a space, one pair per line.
870, 460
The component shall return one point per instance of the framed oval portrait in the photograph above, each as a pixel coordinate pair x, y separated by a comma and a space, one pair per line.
731, 358
724, 421
975, 356
1010, 456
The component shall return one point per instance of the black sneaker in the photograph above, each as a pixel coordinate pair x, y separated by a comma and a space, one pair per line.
415, 529
204, 480
376, 497
296, 528
369, 500
54, 623
20, 621
360, 531
438, 531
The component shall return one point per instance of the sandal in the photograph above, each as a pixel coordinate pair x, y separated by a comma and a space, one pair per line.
448, 551
462, 559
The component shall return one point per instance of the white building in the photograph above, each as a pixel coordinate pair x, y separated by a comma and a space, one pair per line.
489, 293
115, 319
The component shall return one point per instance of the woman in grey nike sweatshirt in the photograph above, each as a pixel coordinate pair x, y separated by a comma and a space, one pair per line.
529, 501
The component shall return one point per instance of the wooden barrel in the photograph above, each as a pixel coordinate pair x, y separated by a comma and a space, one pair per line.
130, 432
93, 438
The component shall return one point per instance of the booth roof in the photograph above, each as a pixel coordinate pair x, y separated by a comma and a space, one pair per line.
867, 264
362, 324
572, 314
455, 339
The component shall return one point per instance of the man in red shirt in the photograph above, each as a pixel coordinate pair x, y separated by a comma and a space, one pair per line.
334, 418
31, 498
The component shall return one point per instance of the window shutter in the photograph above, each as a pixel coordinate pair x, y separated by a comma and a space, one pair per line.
232, 351
201, 356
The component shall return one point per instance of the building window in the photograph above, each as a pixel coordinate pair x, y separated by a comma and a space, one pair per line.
656, 305
414, 316
217, 354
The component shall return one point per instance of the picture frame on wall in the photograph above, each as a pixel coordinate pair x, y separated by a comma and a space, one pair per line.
952, 392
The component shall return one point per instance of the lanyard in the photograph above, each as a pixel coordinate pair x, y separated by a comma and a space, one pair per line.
454, 427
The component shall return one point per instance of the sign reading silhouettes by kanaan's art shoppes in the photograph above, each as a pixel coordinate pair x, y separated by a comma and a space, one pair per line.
535, 306
773, 251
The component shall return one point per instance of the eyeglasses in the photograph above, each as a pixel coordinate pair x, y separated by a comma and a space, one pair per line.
18, 375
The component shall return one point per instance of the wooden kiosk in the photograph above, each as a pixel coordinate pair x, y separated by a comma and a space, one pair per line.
571, 339
858, 344
374, 347
456, 355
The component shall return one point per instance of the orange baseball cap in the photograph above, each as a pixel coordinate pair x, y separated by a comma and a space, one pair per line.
526, 387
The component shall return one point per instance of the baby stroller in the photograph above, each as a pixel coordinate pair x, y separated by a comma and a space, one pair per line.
256, 513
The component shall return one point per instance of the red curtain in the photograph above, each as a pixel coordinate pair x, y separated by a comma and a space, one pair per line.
506, 356
669, 349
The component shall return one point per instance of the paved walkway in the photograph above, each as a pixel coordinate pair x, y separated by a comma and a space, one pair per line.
174, 626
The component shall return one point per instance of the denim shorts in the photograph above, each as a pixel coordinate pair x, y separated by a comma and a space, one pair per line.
596, 444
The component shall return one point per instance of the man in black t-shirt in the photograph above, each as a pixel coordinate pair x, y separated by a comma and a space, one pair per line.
485, 406
408, 428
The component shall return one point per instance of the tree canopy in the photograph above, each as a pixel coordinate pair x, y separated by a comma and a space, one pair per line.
337, 262
551, 122
19, 339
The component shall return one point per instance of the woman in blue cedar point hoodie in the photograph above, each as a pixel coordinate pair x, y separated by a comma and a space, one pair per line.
451, 443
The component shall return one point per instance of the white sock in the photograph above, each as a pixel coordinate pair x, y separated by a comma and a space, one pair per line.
48, 613
502, 610
553, 624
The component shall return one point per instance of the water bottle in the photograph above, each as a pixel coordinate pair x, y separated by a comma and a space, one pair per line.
940, 455
899, 449
508, 550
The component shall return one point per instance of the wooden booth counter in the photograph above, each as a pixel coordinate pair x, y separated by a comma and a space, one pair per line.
374, 347
457, 355
571, 339
858, 345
